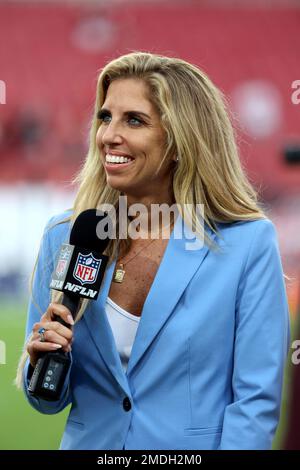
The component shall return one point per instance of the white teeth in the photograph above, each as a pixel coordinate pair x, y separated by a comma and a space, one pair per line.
114, 159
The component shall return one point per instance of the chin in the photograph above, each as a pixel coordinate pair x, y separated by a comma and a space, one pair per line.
115, 185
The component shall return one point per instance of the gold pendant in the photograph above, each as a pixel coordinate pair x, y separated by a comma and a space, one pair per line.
119, 274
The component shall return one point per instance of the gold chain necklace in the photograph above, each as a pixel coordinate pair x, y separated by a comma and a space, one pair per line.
120, 271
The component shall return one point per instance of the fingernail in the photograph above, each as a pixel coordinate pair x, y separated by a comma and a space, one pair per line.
56, 346
70, 319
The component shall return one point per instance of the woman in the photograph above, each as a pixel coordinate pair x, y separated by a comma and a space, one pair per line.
186, 349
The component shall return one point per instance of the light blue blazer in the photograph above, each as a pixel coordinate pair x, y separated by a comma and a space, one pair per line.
207, 364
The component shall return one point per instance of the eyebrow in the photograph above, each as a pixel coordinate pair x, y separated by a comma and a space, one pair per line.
128, 113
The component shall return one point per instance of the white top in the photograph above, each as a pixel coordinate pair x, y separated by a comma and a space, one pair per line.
124, 326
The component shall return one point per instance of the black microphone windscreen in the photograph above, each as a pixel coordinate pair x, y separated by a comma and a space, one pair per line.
84, 231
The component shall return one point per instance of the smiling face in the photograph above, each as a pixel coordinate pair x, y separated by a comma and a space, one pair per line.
132, 143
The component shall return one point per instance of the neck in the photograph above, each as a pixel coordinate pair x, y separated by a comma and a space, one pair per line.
152, 223
147, 201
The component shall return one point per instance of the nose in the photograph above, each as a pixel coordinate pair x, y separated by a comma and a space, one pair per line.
110, 134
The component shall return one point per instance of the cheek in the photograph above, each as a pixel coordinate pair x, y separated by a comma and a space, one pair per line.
156, 151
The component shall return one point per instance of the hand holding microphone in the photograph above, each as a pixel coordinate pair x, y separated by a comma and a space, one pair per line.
78, 274
55, 335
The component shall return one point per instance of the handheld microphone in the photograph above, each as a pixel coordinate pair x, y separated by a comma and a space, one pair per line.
78, 274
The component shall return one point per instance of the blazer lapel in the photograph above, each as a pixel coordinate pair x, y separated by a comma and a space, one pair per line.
177, 267
101, 333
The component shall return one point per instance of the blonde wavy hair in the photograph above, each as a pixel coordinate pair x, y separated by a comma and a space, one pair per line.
195, 117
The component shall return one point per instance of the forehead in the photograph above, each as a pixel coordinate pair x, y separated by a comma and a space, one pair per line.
129, 93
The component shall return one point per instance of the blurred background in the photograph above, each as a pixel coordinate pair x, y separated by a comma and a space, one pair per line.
50, 55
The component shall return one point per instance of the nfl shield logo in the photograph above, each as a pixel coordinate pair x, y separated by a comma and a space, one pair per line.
61, 266
86, 268
63, 261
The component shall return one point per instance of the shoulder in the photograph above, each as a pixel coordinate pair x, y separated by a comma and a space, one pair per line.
58, 222
246, 232
57, 230
248, 241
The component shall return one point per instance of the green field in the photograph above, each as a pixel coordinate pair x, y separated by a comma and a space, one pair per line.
21, 426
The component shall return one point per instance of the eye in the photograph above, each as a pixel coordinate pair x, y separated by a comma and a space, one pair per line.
131, 119
135, 121
103, 116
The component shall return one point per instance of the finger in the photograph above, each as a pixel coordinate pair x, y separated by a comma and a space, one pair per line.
58, 328
52, 325
38, 346
61, 311
53, 337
